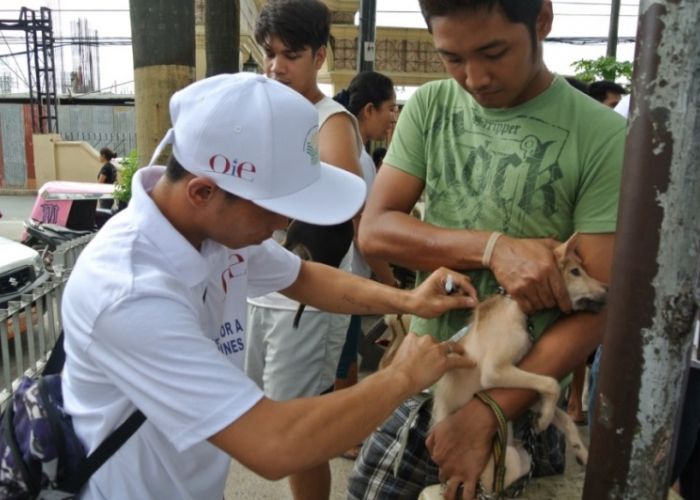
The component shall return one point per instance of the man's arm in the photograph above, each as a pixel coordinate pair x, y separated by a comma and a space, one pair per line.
380, 268
461, 444
524, 267
275, 439
337, 142
336, 291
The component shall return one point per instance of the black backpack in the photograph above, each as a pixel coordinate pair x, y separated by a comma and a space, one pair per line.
41, 457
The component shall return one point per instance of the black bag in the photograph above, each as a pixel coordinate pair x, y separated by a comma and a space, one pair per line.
41, 457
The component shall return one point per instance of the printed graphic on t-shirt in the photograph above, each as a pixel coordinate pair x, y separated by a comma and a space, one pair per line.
236, 268
226, 300
496, 174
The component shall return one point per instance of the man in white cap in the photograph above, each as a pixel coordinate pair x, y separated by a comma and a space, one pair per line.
153, 311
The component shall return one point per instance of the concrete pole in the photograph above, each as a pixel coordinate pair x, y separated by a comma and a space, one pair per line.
366, 35
162, 33
223, 33
648, 336
612, 32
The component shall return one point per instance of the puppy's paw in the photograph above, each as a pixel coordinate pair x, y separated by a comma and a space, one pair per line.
581, 454
544, 418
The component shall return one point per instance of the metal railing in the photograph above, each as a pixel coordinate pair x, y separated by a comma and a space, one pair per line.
121, 142
30, 326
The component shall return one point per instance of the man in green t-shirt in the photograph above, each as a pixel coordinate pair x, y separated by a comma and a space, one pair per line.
504, 146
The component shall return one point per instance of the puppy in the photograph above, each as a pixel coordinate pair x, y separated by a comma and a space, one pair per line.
498, 339
325, 244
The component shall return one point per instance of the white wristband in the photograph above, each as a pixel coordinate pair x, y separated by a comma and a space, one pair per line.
488, 249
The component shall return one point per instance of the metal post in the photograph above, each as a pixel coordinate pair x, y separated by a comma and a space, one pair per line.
366, 36
648, 336
612, 32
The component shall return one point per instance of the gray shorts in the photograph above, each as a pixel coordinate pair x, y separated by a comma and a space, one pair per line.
289, 362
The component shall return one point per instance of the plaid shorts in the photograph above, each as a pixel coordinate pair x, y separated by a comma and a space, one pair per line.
373, 474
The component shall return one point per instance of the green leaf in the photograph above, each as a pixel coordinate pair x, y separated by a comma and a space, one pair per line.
129, 166
603, 68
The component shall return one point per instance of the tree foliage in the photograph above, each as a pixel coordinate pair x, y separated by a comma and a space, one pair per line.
603, 68
129, 166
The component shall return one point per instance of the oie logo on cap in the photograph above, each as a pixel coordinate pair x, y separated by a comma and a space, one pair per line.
220, 164
311, 145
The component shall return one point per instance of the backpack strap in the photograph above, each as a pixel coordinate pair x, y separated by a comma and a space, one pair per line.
30, 480
57, 358
89, 465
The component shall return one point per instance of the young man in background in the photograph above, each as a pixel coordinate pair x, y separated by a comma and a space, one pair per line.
290, 362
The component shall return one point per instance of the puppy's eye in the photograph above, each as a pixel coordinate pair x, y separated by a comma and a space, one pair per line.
575, 271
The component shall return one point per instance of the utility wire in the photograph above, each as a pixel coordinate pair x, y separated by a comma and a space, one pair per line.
18, 75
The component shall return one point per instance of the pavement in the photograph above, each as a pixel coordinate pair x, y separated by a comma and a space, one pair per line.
15, 208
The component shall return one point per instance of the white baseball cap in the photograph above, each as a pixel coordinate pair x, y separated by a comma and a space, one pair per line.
258, 139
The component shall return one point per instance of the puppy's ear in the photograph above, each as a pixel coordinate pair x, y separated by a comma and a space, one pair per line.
567, 250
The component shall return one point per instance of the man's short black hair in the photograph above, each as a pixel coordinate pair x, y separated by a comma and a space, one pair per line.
577, 84
516, 11
175, 172
599, 90
297, 23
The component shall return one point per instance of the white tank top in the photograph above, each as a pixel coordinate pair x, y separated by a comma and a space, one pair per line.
326, 108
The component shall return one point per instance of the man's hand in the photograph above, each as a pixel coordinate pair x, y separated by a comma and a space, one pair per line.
527, 270
431, 299
461, 446
423, 361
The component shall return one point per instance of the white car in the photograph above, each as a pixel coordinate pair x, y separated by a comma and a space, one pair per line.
21, 270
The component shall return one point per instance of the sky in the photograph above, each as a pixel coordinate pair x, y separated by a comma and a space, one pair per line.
573, 18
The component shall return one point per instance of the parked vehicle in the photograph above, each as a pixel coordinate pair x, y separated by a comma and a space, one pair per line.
21, 270
66, 210
73, 205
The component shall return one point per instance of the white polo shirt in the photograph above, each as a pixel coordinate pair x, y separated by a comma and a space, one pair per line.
151, 322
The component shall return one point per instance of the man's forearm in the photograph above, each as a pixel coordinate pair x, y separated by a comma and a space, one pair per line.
332, 423
402, 239
329, 289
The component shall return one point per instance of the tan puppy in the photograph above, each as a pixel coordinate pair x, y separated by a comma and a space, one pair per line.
498, 339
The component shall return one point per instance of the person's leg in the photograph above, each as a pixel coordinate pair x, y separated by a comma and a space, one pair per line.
312, 484
258, 323
302, 362
574, 407
346, 374
690, 478
350, 378
373, 474
687, 457
593, 386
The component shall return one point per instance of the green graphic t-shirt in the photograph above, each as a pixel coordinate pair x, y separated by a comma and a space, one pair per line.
546, 168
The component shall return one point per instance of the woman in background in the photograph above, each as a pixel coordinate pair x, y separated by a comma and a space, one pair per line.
371, 98
108, 172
